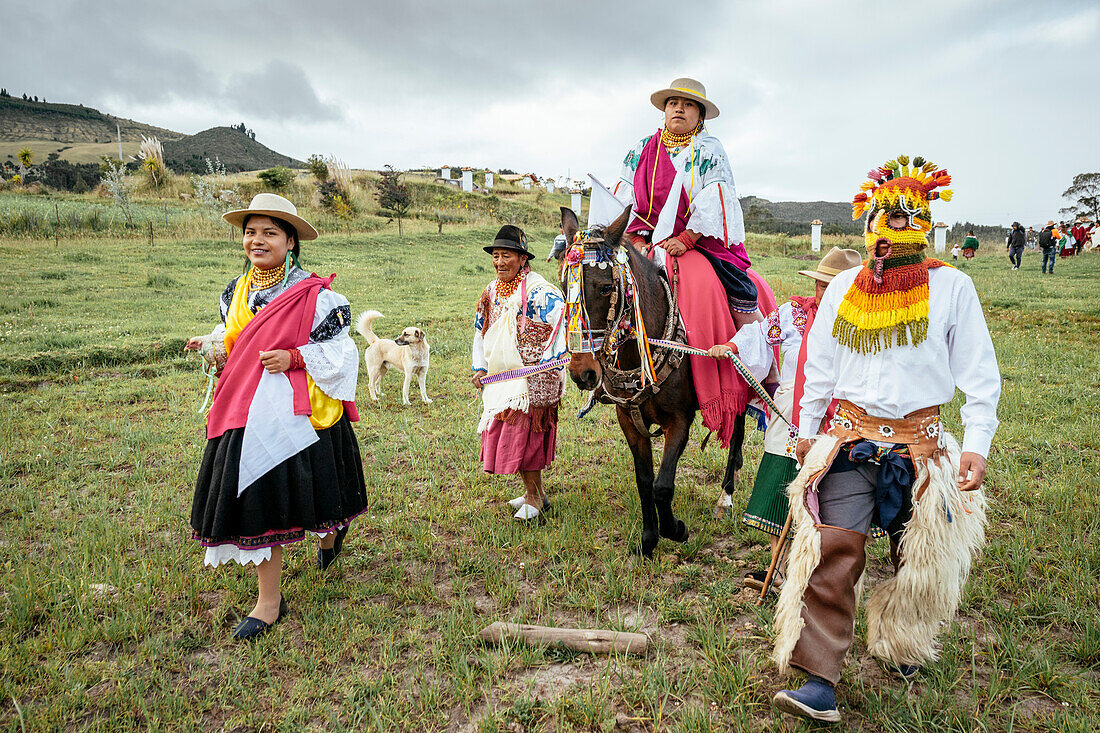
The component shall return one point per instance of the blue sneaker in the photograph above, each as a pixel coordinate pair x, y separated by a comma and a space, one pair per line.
814, 700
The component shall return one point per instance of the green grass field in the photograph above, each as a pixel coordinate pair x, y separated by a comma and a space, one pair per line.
109, 621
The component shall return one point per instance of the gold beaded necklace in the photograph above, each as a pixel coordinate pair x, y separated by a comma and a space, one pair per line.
264, 279
678, 140
507, 289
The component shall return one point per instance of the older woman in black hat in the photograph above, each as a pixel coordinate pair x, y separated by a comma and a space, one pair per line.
518, 324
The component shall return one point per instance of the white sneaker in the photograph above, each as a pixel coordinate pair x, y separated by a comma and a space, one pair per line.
526, 513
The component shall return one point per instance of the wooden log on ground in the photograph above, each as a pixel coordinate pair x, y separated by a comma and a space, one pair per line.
592, 641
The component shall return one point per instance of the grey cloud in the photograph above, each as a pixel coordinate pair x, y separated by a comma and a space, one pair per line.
278, 91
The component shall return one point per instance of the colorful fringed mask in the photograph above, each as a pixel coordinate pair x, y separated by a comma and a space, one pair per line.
888, 301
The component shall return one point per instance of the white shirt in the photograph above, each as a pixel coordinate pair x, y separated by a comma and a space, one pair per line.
958, 352
755, 340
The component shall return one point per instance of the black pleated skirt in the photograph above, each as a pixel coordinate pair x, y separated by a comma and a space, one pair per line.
317, 490
740, 289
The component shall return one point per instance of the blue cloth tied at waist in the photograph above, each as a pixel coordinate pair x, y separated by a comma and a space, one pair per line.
895, 475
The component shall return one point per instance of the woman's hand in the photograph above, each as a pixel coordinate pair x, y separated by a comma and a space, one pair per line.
801, 449
721, 351
277, 361
673, 246
476, 378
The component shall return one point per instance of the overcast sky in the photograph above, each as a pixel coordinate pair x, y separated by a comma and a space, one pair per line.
812, 94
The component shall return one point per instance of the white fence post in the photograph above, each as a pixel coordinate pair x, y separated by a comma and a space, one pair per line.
815, 235
445, 172
575, 201
939, 236
467, 180
488, 179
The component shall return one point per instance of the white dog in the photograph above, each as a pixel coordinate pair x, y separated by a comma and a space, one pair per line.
409, 353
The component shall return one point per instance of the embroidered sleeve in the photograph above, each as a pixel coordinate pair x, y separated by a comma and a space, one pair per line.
332, 324
227, 297
331, 357
715, 210
547, 306
774, 329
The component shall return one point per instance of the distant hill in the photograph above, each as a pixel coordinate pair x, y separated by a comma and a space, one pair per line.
235, 149
829, 212
82, 134
22, 119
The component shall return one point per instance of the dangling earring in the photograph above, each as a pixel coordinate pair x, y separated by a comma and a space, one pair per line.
286, 267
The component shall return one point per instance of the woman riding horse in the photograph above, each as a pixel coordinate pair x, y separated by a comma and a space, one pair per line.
680, 186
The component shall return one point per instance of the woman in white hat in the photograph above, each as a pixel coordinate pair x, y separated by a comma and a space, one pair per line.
760, 345
686, 215
281, 457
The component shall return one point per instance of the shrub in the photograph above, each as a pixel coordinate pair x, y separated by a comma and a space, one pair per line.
318, 167
278, 178
393, 195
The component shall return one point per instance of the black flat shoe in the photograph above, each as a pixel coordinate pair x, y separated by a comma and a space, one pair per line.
252, 628
327, 557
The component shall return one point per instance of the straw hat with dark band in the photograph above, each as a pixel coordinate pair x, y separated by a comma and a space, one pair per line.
834, 262
274, 205
688, 89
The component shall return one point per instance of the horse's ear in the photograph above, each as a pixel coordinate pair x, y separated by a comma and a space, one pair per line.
569, 224
615, 229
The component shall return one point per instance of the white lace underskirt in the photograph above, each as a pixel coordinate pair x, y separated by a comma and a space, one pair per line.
220, 554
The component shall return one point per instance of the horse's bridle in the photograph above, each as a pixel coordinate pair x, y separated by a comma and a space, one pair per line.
604, 344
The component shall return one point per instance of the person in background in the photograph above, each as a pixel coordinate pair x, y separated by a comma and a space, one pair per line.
756, 345
955, 252
970, 245
1032, 238
1048, 243
560, 245
1016, 242
1080, 236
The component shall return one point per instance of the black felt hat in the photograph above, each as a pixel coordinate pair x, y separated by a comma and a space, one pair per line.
510, 237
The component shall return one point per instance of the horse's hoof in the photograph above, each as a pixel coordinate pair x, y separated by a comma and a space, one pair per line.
680, 534
724, 508
649, 543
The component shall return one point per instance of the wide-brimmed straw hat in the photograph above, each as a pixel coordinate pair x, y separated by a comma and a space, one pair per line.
688, 89
274, 205
510, 237
834, 262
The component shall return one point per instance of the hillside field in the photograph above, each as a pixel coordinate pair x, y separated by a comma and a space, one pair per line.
110, 622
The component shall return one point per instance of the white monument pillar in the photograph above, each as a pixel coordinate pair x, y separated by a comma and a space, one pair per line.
467, 180
488, 179
445, 172
575, 201
526, 183
550, 186
815, 235
939, 236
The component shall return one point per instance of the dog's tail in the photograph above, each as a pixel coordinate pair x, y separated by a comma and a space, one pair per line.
364, 325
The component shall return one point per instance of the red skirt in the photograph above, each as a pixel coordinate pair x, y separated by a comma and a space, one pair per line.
511, 446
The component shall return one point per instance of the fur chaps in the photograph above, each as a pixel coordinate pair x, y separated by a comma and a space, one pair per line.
905, 612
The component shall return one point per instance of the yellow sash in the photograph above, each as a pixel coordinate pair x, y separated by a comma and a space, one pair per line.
326, 410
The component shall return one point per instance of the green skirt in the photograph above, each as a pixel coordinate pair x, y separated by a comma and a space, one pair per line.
768, 505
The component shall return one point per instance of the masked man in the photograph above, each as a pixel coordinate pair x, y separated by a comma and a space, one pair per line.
897, 335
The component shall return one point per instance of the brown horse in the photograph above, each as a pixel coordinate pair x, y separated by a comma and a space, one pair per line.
671, 403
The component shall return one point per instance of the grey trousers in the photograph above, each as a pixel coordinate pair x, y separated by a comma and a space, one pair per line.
846, 499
